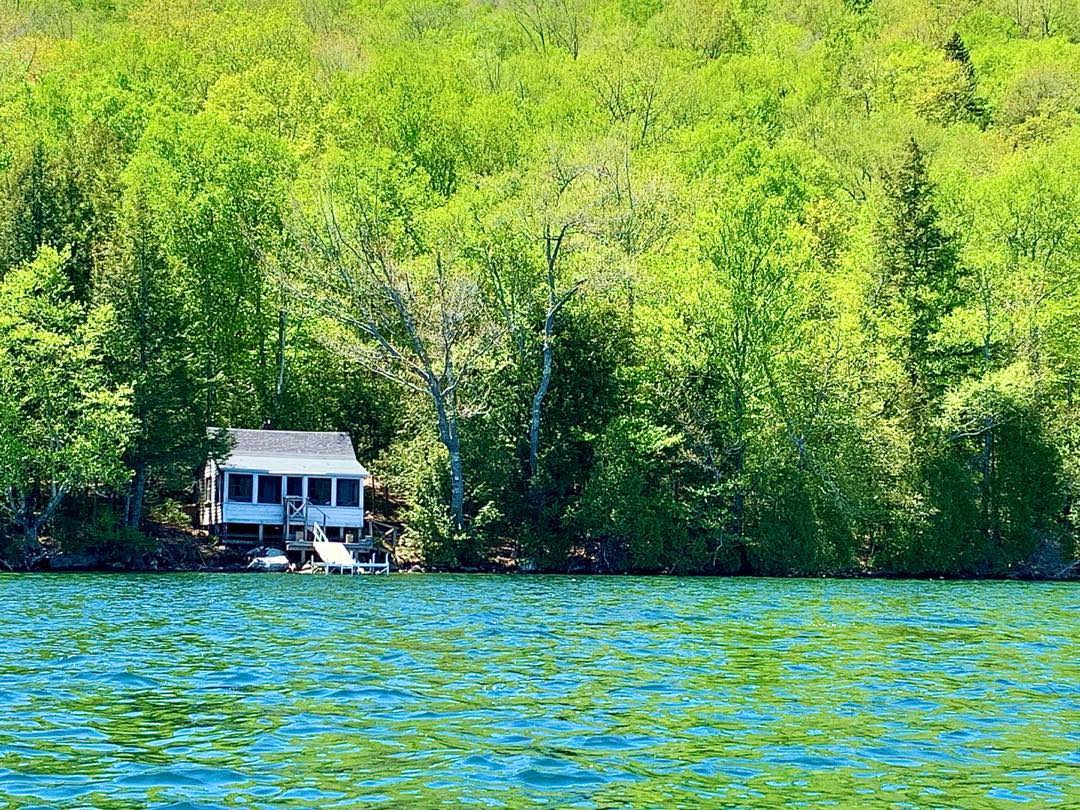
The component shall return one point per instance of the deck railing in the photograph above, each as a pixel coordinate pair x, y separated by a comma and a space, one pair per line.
384, 534
299, 511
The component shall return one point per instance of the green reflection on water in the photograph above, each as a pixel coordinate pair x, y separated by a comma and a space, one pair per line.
286, 691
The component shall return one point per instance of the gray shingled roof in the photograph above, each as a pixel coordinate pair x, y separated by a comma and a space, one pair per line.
273, 450
309, 444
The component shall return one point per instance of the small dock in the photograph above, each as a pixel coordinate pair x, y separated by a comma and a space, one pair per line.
366, 551
372, 565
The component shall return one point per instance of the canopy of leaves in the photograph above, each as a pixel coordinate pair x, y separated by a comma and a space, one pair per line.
696, 285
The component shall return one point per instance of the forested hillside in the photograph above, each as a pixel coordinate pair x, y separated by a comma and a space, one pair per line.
770, 286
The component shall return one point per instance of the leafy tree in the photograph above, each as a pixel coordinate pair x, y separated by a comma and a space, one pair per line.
406, 313
62, 428
742, 320
216, 202
147, 345
55, 197
629, 507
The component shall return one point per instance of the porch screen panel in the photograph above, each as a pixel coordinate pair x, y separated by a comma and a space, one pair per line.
348, 492
318, 491
240, 487
269, 489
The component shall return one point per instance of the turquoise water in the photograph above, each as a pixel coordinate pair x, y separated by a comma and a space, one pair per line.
288, 691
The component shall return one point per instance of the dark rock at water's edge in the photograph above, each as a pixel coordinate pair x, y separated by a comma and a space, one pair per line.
74, 562
165, 549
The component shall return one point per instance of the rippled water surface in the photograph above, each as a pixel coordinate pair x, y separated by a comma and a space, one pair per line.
289, 691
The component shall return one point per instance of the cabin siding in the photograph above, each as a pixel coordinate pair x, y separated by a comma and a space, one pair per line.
219, 510
271, 514
210, 506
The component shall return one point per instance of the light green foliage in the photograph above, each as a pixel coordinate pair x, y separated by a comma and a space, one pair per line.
709, 285
62, 428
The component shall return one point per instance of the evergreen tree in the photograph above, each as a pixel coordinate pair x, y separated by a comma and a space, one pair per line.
58, 196
956, 50
972, 105
33, 215
920, 276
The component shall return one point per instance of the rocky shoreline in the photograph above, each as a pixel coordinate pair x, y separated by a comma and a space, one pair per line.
186, 551
178, 550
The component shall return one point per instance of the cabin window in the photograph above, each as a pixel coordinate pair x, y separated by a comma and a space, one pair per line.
240, 487
348, 492
269, 489
208, 492
294, 486
318, 491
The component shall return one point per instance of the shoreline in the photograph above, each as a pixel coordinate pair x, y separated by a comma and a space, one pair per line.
184, 551
1072, 575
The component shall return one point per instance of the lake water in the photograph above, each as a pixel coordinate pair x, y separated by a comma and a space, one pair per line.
206, 690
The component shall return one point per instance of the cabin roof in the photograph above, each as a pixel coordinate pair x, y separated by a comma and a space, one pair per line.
291, 451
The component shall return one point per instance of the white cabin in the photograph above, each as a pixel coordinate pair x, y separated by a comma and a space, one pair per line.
277, 485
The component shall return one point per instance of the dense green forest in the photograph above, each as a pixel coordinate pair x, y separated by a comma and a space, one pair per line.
732, 286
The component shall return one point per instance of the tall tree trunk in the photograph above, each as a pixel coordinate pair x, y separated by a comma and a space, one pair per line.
738, 510
538, 402
739, 406
31, 527
31, 523
1067, 505
986, 460
279, 388
31, 541
457, 486
138, 495
553, 245
448, 435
